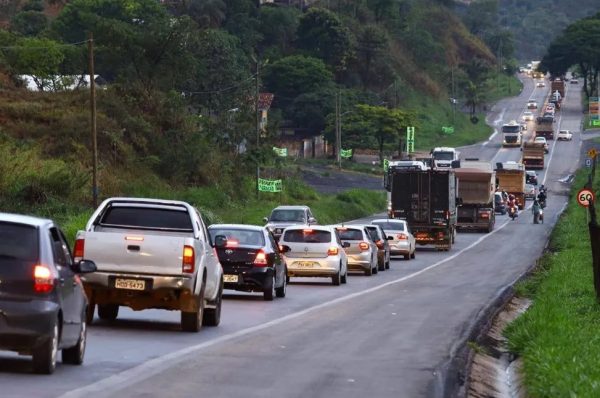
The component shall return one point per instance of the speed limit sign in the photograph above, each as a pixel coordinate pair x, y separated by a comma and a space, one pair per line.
584, 196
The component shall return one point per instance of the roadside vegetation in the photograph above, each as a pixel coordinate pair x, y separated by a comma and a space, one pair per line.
557, 336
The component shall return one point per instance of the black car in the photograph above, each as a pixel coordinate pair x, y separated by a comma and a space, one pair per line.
42, 302
250, 258
499, 203
531, 177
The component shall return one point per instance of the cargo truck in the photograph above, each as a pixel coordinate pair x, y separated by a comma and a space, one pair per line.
476, 187
558, 85
544, 127
426, 199
510, 177
533, 155
511, 134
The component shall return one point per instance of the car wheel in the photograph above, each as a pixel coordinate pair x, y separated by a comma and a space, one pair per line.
269, 290
344, 277
369, 272
375, 270
212, 316
108, 312
89, 313
74, 355
287, 279
381, 266
407, 256
281, 291
44, 356
192, 321
336, 279
387, 264
413, 255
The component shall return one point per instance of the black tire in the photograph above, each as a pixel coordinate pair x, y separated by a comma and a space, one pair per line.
269, 290
192, 321
336, 279
282, 290
407, 256
89, 313
44, 356
212, 316
108, 312
369, 272
387, 264
413, 255
344, 278
375, 270
287, 279
74, 355
381, 267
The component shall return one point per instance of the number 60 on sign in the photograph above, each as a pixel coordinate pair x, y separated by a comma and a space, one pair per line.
584, 197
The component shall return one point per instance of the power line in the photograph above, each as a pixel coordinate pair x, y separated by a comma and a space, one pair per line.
222, 90
43, 47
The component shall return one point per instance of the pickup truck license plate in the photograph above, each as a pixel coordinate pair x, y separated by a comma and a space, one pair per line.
230, 278
130, 284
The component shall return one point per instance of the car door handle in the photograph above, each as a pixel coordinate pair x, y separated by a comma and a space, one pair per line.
133, 248
62, 281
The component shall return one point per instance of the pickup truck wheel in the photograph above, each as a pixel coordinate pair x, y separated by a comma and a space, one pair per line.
269, 290
212, 316
192, 321
108, 312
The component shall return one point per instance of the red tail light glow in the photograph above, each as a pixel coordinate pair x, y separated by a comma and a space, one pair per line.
363, 246
189, 260
43, 280
402, 237
308, 231
232, 243
333, 251
484, 215
261, 259
379, 244
79, 249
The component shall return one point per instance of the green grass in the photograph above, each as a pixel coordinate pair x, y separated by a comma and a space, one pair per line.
559, 336
502, 86
347, 165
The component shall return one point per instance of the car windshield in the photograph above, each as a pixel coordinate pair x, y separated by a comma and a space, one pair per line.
390, 225
511, 128
443, 155
287, 215
18, 242
243, 237
307, 236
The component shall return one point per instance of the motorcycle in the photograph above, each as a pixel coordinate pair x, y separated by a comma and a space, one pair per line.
512, 212
542, 203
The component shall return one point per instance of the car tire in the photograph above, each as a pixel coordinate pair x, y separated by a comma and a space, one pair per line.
74, 355
287, 279
414, 254
89, 313
192, 321
407, 256
369, 272
282, 290
44, 356
375, 270
212, 316
108, 312
381, 267
387, 264
269, 290
344, 277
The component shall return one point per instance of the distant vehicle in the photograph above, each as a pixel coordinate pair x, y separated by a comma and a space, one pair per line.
511, 133
542, 140
402, 242
476, 187
529, 191
527, 116
42, 302
564, 135
541, 84
361, 251
531, 104
574, 81
558, 85
511, 178
544, 127
315, 251
443, 157
531, 177
284, 216
533, 155
523, 126
383, 253
499, 203
251, 259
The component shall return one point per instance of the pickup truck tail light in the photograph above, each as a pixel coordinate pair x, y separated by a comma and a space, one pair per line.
78, 251
261, 259
43, 279
484, 214
333, 251
363, 246
189, 260
402, 237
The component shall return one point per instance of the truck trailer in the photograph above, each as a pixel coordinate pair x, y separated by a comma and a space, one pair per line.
533, 155
510, 177
476, 187
544, 127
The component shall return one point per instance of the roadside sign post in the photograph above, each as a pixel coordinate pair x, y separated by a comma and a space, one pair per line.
270, 185
410, 139
346, 153
585, 196
588, 163
594, 111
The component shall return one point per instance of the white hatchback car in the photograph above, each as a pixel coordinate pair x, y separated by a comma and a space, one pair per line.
314, 251
564, 135
542, 140
402, 241
527, 116
361, 251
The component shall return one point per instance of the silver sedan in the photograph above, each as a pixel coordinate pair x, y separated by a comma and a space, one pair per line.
361, 250
401, 240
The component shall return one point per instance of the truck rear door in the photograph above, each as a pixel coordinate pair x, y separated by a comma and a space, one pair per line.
411, 196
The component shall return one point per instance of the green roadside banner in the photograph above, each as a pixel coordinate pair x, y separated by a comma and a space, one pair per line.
269, 185
386, 164
346, 153
596, 122
448, 129
280, 151
410, 139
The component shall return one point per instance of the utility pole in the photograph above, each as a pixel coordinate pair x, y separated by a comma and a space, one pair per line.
257, 109
93, 118
338, 127
453, 95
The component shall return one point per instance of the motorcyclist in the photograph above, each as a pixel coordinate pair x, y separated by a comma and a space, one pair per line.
512, 204
542, 197
536, 209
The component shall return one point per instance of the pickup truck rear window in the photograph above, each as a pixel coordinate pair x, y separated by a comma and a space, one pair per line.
18, 242
147, 218
307, 236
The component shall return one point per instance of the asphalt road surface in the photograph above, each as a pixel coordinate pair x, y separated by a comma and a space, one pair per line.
379, 336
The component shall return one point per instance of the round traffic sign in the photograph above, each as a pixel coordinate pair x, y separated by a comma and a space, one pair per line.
584, 196
592, 153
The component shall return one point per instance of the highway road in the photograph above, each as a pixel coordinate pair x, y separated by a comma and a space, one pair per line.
389, 335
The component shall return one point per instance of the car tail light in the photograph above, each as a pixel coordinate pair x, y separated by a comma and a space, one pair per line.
402, 237
379, 244
232, 243
308, 231
43, 279
333, 251
79, 249
363, 246
189, 260
261, 259
440, 235
484, 214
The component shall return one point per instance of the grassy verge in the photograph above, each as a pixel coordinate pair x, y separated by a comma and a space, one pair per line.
558, 336
347, 165
502, 86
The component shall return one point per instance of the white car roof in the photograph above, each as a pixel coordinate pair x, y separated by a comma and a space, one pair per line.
237, 226
23, 219
328, 228
291, 207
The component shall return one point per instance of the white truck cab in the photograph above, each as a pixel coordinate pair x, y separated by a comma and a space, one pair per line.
444, 156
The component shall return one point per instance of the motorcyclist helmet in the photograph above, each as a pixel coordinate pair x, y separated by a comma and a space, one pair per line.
511, 196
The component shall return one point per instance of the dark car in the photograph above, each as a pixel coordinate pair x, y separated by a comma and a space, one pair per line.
42, 302
531, 177
499, 203
383, 247
250, 258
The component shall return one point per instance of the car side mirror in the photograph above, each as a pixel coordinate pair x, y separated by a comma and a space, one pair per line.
284, 248
345, 245
312, 220
390, 238
220, 241
265, 219
84, 267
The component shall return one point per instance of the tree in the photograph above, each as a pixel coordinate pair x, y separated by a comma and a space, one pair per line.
372, 43
29, 23
38, 57
206, 13
322, 34
278, 27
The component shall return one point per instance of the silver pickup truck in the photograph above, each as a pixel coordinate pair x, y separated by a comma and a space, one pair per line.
151, 253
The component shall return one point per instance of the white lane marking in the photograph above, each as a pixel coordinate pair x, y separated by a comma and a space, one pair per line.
154, 366
552, 152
